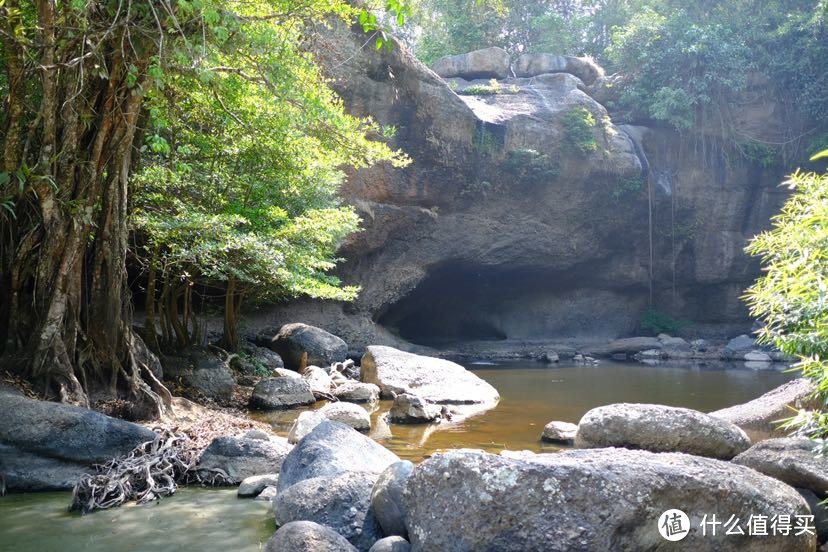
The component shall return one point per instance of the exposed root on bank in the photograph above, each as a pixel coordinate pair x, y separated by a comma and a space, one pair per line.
150, 471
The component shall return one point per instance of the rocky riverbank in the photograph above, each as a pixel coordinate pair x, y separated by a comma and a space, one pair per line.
332, 487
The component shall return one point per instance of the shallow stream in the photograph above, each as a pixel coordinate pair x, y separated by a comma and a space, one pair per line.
531, 395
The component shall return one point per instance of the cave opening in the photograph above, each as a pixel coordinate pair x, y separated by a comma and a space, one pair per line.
461, 302
455, 302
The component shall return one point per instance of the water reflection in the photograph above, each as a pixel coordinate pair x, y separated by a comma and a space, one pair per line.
533, 394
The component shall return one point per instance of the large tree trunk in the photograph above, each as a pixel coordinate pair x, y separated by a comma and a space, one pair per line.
66, 318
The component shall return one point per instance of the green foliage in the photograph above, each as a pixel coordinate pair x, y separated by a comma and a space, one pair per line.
791, 297
579, 130
492, 89
627, 185
484, 140
457, 26
558, 26
818, 144
531, 165
762, 154
692, 63
681, 66
243, 159
656, 322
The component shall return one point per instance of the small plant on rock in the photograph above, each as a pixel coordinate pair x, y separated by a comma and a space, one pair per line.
656, 322
579, 124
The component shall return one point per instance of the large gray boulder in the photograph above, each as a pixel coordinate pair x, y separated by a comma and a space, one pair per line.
48, 446
262, 357
281, 392
240, 457
333, 449
792, 460
294, 340
387, 500
202, 372
740, 344
341, 502
608, 499
660, 428
66, 432
532, 65
25, 471
761, 417
434, 380
307, 536
488, 63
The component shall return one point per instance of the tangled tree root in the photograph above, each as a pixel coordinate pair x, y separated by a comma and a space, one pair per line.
150, 471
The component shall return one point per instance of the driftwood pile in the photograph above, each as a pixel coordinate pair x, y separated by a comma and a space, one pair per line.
150, 471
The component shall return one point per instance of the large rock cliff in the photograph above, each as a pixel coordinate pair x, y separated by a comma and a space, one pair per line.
513, 223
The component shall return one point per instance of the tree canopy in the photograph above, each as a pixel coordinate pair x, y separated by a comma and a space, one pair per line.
196, 136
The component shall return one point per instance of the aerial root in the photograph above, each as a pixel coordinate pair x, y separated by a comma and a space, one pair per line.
152, 470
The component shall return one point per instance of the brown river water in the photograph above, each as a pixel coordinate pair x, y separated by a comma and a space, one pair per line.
531, 395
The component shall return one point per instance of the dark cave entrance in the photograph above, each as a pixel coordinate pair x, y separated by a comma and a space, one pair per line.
455, 302
461, 302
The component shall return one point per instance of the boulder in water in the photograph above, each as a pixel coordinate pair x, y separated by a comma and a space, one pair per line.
660, 428
435, 380
240, 458
332, 449
761, 417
